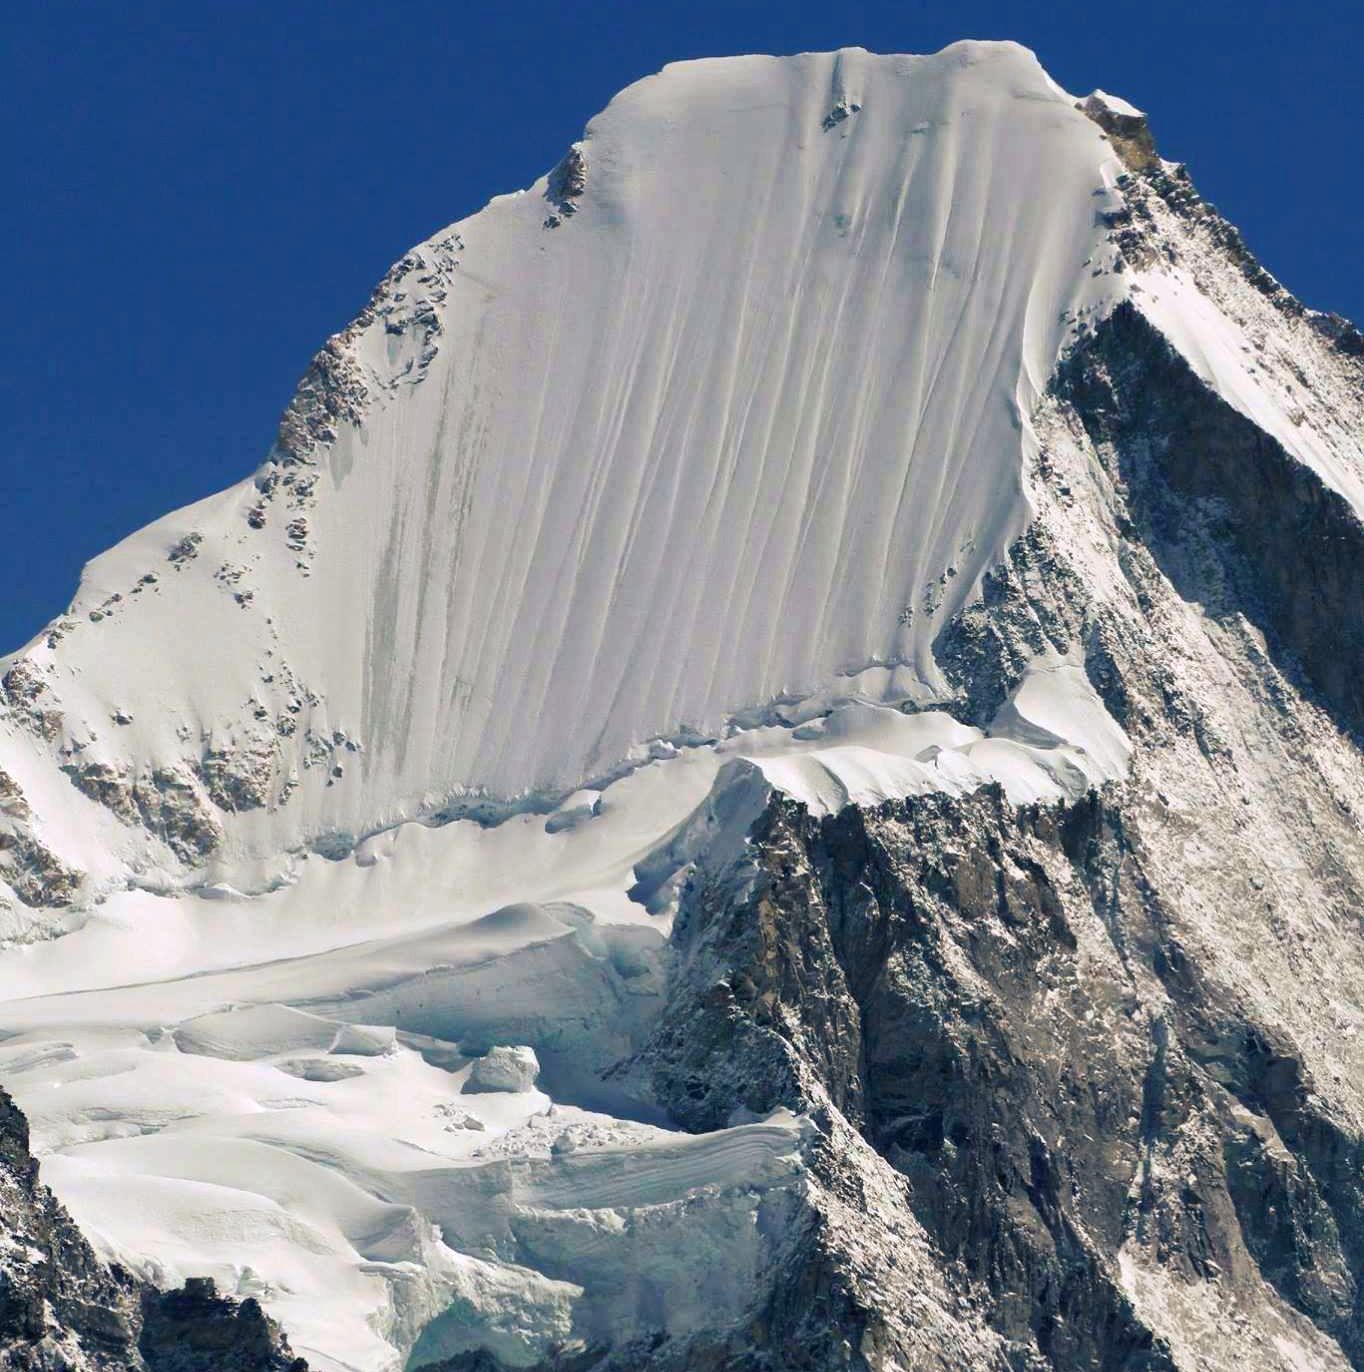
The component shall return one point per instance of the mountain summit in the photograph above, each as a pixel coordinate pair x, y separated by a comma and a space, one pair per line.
730, 408
766, 775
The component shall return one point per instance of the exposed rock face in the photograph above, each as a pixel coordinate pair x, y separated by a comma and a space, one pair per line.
1023, 1037
1289, 550
63, 1310
195, 1328
565, 186
168, 802
1127, 128
37, 876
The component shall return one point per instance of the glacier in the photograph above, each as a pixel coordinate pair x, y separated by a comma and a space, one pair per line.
756, 462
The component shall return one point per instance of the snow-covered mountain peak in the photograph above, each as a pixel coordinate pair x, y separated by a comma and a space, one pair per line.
729, 407
887, 557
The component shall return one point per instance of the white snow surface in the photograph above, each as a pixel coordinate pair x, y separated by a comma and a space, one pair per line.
748, 422
410, 887
660, 514
289, 1090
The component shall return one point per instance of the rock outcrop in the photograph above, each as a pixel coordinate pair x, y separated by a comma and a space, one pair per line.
504, 1069
63, 1310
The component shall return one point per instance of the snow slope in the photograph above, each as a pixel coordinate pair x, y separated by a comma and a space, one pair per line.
749, 420
273, 1089
634, 497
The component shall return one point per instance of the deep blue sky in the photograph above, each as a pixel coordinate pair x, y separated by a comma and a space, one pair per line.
197, 194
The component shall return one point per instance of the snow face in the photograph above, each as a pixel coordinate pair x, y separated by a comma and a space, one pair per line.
369, 1092
414, 897
643, 493
729, 409
374, 1198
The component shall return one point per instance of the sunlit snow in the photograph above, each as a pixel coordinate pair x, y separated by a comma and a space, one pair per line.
656, 505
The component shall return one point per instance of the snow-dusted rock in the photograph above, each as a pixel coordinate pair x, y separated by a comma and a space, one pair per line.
504, 1069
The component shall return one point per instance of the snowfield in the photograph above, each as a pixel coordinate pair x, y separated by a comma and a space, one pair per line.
749, 421
275, 1089
633, 498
